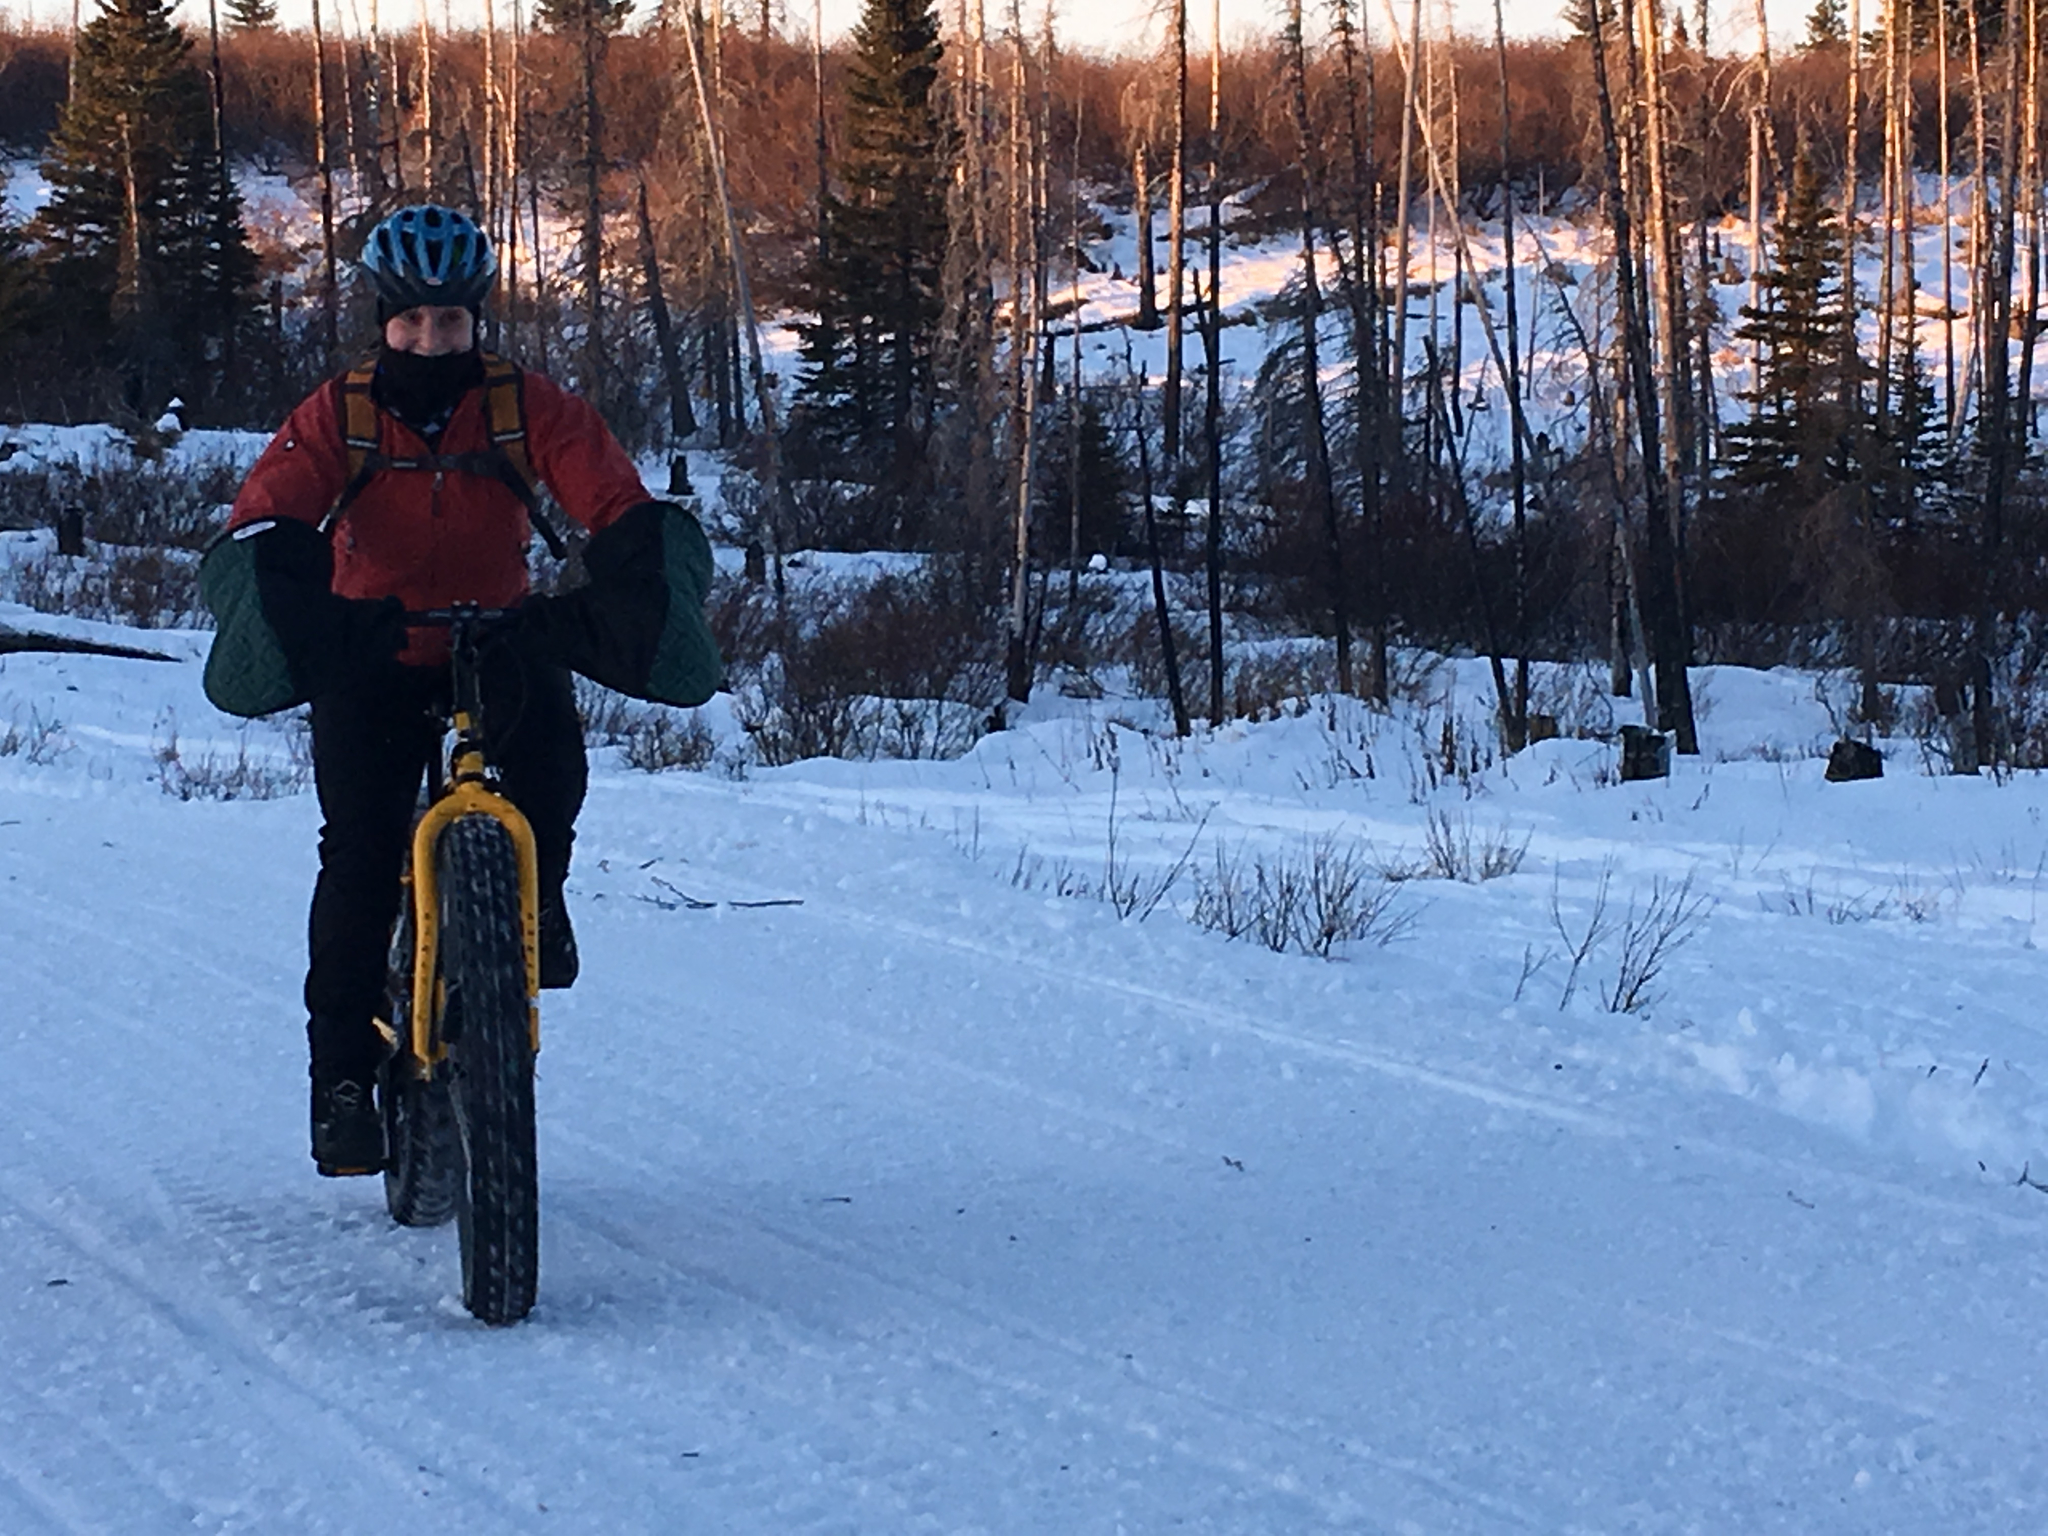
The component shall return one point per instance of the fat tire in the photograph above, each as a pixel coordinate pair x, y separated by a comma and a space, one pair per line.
423, 1168
423, 1176
490, 1056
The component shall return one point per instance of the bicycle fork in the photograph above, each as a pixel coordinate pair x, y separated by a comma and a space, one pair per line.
470, 793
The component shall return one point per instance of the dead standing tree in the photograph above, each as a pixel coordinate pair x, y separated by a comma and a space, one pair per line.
1176, 243
1025, 246
1662, 617
1322, 493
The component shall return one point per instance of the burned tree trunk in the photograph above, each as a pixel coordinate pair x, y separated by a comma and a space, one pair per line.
682, 421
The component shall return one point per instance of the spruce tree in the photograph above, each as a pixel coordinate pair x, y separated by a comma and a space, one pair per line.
142, 237
1826, 25
17, 286
876, 286
571, 16
1807, 406
1101, 476
252, 15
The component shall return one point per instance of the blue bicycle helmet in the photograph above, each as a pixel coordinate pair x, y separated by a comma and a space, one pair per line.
429, 255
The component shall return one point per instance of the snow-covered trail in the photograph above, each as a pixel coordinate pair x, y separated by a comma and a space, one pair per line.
932, 1205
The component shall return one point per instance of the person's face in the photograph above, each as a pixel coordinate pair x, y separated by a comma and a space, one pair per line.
431, 330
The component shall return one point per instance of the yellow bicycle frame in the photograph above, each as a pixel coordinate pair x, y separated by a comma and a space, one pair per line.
468, 795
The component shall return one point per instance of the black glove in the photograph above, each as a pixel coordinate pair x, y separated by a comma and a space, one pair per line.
368, 630
327, 640
608, 628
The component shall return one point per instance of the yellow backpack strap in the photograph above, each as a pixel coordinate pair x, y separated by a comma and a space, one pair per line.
358, 435
505, 408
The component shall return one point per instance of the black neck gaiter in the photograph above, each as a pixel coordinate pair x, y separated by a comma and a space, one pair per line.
422, 391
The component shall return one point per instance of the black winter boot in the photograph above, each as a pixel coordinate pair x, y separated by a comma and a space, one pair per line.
558, 960
348, 1129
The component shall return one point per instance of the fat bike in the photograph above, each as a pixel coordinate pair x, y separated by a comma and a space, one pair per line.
462, 1012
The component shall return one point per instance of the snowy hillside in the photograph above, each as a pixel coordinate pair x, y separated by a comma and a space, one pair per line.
945, 1201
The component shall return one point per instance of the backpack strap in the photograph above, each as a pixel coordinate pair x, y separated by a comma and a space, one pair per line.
505, 411
358, 435
508, 460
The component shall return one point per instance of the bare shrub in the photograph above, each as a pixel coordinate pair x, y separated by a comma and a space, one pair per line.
1579, 943
1669, 920
209, 777
1224, 897
907, 666
173, 504
1079, 635
41, 741
142, 587
1271, 682
1455, 851
663, 739
606, 716
1137, 647
1346, 901
1329, 894
1577, 696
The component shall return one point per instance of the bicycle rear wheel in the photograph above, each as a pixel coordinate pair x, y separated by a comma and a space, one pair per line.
490, 1054
423, 1172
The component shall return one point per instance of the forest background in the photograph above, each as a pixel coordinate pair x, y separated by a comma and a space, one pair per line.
1768, 465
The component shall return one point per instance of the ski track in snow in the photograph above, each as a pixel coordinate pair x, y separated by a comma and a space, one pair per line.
937, 1205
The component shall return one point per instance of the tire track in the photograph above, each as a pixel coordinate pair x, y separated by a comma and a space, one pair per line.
211, 1334
1092, 1378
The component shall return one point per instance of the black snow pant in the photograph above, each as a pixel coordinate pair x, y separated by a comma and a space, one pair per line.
375, 741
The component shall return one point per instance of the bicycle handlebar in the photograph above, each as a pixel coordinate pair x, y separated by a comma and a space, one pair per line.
458, 613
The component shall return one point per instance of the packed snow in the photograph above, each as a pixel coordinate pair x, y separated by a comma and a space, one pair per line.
945, 1201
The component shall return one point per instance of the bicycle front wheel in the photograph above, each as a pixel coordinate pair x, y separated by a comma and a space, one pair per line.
490, 1054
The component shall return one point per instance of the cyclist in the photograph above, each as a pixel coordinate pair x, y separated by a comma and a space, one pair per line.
402, 486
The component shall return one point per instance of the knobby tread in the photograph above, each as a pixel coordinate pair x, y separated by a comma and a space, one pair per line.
423, 1172
491, 1057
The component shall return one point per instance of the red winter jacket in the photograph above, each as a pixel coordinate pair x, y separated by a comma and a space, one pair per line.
435, 539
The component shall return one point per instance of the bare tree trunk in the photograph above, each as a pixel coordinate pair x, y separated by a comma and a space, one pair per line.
1948, 242
129, 281
489, 211
823, 149
229, 339
1398, 367
1212, 357
330, 290
1024, 345
1672, 706
1980, 227
1647, 50
1994, 423
1321, 491
1759, 126
1148, 300
775, 487
591, 42
1701, 306
513, 119
1516, 725
2030, 213
1074, 383
427, 178
350, 155
1167, 649
1887, 202
682, 421
971, 289
1176, 245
